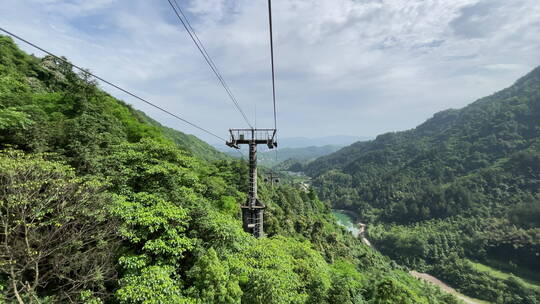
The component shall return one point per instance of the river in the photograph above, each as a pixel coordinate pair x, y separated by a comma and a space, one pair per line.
345, 219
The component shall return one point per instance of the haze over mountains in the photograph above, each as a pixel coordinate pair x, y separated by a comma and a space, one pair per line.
334, 140
297, 149
304, 142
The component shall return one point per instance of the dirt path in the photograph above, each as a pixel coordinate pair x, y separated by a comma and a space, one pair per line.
424, 276
433, 280
362, 228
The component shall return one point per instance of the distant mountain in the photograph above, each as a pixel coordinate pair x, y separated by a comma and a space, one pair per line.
271, 158
296, 150
304, 142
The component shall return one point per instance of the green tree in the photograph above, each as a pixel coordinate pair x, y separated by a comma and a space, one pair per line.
152, 285
212, 281
390, 291
154, 230
347, 284
54, 231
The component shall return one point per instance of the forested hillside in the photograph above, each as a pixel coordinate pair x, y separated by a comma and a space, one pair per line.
99, 204
186, 142
464, 185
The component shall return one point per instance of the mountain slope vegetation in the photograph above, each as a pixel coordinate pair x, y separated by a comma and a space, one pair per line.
187, 142
463, 185
98, 204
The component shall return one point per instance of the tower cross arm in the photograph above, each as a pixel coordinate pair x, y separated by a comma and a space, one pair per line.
252, 136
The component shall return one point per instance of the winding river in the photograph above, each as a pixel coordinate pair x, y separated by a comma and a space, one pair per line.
345, 219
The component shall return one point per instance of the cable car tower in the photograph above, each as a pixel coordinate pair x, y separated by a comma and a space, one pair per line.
272, 178
253, 209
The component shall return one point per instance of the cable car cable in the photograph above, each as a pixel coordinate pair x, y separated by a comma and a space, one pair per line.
272, 61
207, 57
112, 84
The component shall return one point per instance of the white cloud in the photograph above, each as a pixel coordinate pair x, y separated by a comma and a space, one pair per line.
343, 66
74, 7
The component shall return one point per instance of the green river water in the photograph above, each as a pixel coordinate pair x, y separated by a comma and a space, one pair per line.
346, 221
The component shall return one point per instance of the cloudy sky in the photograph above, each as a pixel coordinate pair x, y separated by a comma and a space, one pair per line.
353, 67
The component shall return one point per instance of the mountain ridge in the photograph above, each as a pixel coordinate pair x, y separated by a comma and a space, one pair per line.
439, 123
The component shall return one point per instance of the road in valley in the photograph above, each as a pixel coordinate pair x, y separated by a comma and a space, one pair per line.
433, 280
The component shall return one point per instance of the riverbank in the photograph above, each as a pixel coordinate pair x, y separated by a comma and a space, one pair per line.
362, 229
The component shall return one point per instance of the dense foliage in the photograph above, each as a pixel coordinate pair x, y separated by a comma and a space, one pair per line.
98, 204
464, 184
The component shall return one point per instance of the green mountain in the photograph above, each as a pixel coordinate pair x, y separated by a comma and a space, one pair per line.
99, 204
464, 185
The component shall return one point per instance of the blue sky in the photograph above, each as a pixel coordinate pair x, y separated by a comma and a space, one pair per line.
354, 67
